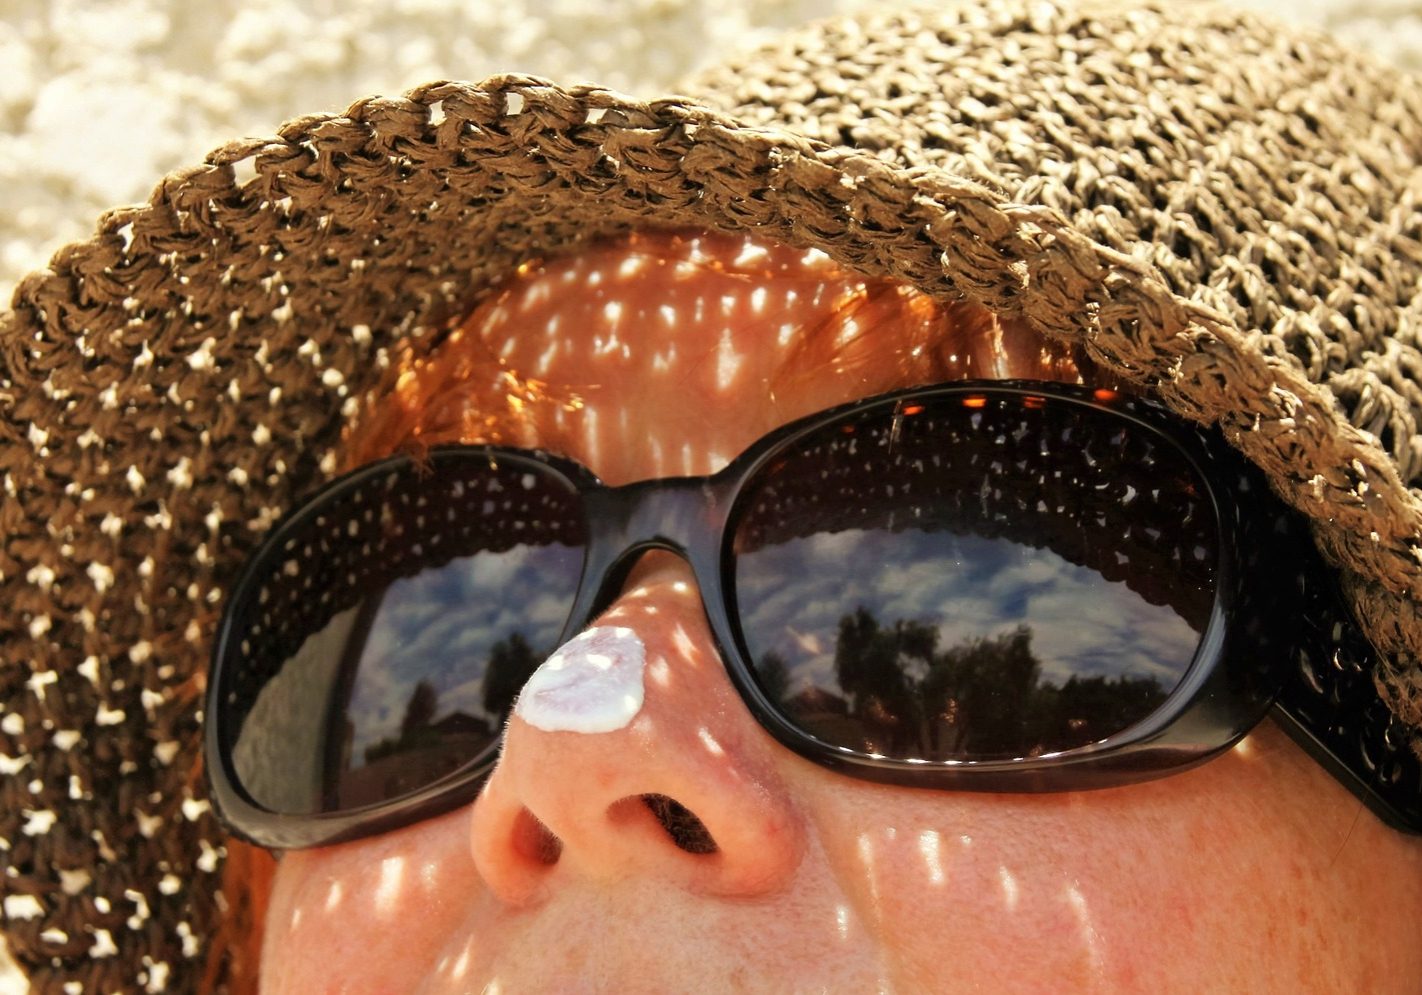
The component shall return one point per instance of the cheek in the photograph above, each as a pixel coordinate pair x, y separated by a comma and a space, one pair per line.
1020, 890
1145, 888
366, 917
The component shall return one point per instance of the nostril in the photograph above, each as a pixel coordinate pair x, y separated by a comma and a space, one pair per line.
535, 841
685, 829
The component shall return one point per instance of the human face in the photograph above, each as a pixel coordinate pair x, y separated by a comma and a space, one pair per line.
561, 878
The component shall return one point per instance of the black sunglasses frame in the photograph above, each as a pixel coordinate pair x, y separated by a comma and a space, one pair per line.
1277, 628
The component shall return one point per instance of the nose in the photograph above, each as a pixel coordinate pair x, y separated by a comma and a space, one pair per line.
682, 786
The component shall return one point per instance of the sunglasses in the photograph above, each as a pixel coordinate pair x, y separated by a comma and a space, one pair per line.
1000, 586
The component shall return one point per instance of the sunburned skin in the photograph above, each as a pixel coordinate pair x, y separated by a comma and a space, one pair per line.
593, 683
1256, 872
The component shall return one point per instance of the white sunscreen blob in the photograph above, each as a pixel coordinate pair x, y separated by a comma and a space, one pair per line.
593, 683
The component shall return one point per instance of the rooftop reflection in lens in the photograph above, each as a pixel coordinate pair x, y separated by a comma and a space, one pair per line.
391, 637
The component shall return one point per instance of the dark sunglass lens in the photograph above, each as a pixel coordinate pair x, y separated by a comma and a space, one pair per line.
980, 577
385, 645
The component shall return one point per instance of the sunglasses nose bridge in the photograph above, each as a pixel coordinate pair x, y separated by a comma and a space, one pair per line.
673, 513
680, 515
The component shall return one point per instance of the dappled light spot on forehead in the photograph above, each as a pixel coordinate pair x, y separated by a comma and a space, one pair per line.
751, 254
664, 360
546, 358
612, 316
849, 329
841, 920
729, 361
592, 439
538, 295
334, 895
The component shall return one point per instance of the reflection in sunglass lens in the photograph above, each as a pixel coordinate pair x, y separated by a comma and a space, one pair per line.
978, 577
386, 643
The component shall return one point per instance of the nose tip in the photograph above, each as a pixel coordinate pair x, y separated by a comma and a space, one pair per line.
684, 786
592, 683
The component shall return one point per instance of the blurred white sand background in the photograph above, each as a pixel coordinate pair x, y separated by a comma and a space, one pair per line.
99, 98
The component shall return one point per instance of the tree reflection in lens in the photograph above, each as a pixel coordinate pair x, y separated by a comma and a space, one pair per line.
984, 698
955, 581
431, 745
511, 662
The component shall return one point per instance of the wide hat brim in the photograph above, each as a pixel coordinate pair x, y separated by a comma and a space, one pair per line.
170, 386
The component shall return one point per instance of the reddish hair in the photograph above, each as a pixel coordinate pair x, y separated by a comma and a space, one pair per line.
235, 953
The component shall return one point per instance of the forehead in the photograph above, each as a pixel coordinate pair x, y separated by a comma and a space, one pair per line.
664, 354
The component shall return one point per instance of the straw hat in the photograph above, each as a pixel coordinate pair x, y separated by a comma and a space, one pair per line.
1215, 207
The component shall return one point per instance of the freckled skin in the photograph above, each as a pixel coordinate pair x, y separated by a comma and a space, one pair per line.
1254, 873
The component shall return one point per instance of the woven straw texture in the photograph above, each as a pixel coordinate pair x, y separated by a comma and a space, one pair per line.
1221, 209
159, 82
